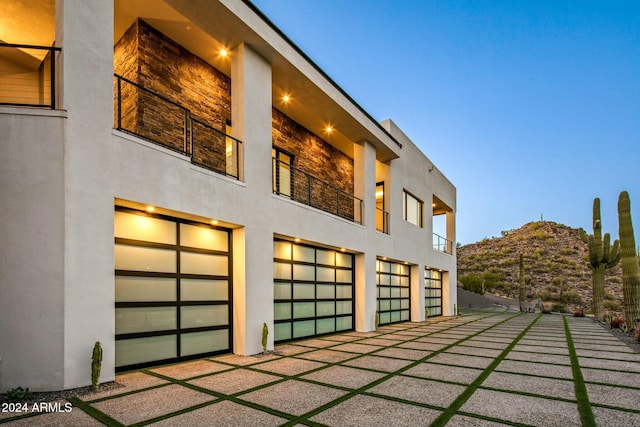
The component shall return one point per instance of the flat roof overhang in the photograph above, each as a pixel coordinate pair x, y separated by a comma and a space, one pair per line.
204, 27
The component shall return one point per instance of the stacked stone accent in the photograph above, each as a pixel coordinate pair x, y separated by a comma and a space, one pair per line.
150, 59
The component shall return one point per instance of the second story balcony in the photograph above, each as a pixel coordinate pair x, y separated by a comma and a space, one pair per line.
151, 116
28, 75
302, 187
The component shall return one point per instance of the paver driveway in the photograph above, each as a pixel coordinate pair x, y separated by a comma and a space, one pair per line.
485, 368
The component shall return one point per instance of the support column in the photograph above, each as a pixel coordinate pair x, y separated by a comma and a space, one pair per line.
417, 293
253, 245
364, 165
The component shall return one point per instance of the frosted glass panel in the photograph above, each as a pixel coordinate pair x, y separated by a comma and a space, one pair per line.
206, 315
303, 291
139, 227
324, 326
303, 253
325, 257
384, 304
404, 292
395, 280
214, 265
132, 289
282, 250
281, 270
144, 259
325, 291
303, 329
404, 269
384, 267
344, 276
140, 350
385, 318
404, 281
145, 319
303, 309
384, 279
303, 272
282, 331
343, 307
282, 311
396, 268
343, 260
204, 238
282, 290
395, 292
404, 315
325, 274
343, 291
204, 342
404, 304
344, 323
325, 308
204, 290
384, 292
395, 316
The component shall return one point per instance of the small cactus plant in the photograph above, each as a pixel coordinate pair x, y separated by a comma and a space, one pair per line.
377, 320
96, 365
265, 334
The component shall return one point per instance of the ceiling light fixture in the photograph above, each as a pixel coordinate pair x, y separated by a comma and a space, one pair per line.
328, 129
224, 52
286, 98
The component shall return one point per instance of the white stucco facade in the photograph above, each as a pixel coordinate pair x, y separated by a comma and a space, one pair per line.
65, 169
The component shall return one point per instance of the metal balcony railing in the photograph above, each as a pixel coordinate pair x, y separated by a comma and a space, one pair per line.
305, 188
382, 220
442, 244
28, 75
148, 115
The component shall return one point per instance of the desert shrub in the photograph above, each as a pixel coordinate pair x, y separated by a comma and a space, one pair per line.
615, 279
611, 305
566, 251
570, 297
472, 283
559, 308
608, 296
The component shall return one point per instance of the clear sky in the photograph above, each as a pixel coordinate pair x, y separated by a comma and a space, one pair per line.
531, 108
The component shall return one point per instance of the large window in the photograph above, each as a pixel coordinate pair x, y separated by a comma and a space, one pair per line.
433, 292
313, 291
282, 179
412, 209
393, 291
172, 289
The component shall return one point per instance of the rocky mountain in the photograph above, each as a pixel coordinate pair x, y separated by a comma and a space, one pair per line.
555, 266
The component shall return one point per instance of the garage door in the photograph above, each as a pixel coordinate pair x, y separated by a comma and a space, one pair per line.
393, 291
433, 292
172, 289
313, 291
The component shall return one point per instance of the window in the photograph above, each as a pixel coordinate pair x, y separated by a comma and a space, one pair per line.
382, 216
412, 209
282, 164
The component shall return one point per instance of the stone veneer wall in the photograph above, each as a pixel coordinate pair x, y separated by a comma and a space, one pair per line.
157, 63
318, 158
154, 61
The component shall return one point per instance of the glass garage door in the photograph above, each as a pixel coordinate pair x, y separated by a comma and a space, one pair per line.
172, 289
433, 292
313, 291
393, 291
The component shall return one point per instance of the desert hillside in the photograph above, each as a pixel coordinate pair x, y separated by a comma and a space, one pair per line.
555, 265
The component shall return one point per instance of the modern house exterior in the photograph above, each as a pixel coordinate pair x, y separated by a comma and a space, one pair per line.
177, 174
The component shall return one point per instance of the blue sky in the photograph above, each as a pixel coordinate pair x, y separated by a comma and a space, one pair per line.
530, 108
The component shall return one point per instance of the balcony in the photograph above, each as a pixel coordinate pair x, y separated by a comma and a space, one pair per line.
441, 244
28, 75
307, 189
382, 221
155, 118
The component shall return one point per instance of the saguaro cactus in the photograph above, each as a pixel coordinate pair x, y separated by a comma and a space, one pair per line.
265, 334
630, 271
522, 294
602, 256
96, 365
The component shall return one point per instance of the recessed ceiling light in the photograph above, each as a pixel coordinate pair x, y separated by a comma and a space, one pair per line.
297, 239
150, 209
328, 129
286, 98
214, 221
224, 52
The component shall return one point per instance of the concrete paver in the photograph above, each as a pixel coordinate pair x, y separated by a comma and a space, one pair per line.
485, 368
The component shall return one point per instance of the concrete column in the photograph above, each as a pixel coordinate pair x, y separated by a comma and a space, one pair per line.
364, 165
253, 246
417, 293
84, 30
